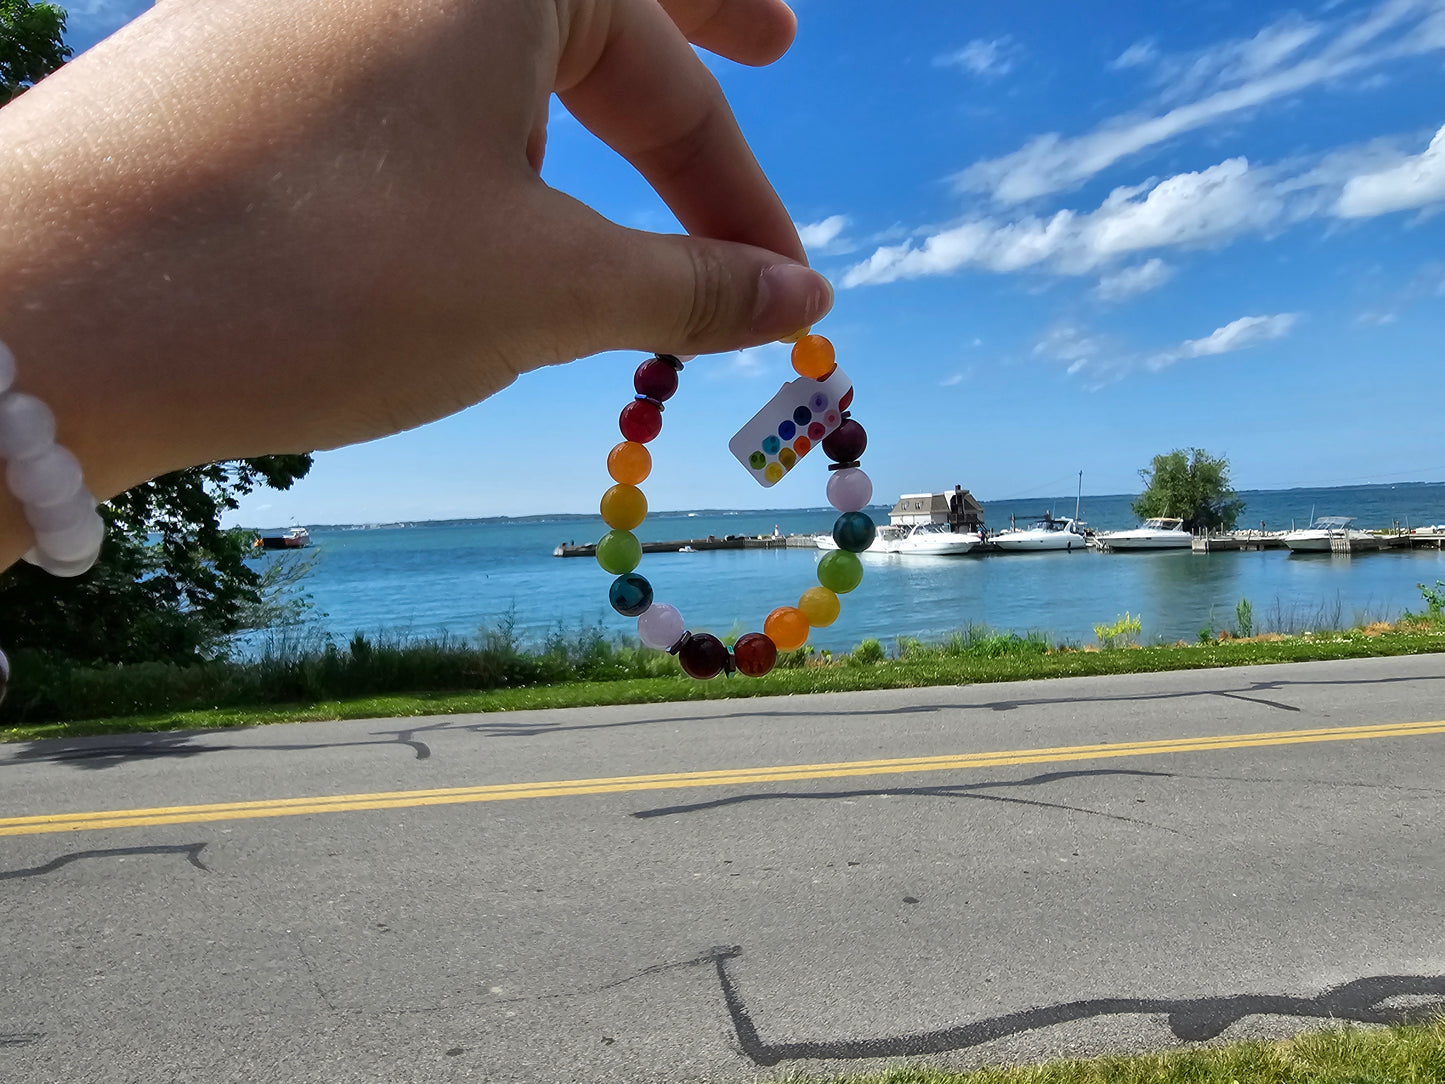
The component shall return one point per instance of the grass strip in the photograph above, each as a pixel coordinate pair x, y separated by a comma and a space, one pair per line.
920, 666
1400, 1054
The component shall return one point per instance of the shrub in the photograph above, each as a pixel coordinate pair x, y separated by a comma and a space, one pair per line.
1244, 618
868, 653
1122, 633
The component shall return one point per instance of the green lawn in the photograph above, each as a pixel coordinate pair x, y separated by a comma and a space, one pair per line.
1405, 1054
961, 661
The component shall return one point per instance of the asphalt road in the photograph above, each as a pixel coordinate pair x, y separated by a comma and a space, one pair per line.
1067, 867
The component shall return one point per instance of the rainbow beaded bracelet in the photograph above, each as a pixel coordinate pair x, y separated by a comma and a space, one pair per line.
769, 446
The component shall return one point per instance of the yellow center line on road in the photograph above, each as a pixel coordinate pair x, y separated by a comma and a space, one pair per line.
404, 799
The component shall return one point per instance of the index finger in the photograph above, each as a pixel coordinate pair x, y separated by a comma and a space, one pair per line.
628, 74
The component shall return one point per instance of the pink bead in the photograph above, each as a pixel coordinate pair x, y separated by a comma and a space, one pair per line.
660, 626
849, 490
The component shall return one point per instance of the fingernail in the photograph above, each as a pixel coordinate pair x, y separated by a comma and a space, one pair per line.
790, 296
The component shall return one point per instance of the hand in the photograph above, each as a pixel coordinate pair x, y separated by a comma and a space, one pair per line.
250, 226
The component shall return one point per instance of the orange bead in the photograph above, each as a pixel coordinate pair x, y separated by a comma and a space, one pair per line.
787, 627
629, 463
813, 357
624, 507
795, 336
820, 606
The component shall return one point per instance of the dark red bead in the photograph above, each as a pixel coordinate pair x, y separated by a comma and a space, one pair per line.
640, 421
655, 379
755, 654
703, 656
847, 400
846, 442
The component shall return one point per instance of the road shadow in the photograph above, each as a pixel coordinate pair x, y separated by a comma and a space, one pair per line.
191, 852
1360, 1001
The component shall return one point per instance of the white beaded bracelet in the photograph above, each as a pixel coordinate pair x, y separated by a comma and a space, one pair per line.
46, 479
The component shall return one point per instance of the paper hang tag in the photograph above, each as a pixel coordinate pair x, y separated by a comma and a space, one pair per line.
792, 424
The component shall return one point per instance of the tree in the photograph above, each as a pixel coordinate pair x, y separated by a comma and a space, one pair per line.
30, 44
1192, 485
171, 583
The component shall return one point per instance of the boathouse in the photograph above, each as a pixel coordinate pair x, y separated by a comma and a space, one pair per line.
915, 508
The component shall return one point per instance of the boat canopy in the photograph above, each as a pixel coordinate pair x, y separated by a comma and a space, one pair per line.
1332, 523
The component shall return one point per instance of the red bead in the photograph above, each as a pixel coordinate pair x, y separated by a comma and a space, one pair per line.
754, 654
703, 656
655, 379
640, 421
845, 443
847, 400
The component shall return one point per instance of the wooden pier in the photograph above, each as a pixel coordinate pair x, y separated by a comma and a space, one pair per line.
697, 545
1372, 542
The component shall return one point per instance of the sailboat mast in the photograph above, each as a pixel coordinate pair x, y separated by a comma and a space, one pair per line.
1078, 499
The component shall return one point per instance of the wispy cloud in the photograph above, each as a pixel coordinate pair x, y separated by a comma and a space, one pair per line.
1138, 55
1131, 281
983, 58
1236, 335
1190, 209
754, 362
951, 381
825, 237
1414, 181
1283, 59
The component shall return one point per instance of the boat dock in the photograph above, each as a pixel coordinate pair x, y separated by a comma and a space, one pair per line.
1373, 542
694, 545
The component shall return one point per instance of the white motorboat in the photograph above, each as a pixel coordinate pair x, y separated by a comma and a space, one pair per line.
1047, 534
934, 538
1153, 534
1319, 536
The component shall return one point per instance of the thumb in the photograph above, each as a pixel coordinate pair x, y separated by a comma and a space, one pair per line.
679, 294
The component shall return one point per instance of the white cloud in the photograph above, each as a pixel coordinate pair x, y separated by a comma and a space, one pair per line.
754, 362
1414, 181
1284, 58
1139, 55
985, 59
1238, 334
819, 236
1131, 281
951, 381
1189, 210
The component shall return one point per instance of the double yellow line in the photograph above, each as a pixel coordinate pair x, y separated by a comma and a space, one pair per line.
505, 792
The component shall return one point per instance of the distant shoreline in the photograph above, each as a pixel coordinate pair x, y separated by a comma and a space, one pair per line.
575, 517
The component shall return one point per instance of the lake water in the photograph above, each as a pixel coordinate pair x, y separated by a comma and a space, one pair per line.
459, 577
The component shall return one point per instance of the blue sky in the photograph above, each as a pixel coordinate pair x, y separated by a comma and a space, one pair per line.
1066, 237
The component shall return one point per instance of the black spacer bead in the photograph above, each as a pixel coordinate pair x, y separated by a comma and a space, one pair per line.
649, 399
671, 359
729, 665
844, 466
681, 642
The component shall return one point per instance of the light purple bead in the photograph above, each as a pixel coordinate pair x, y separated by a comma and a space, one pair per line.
7, 368
850, 490
57, 517
26, 426
660, 626
76, 543
48, 478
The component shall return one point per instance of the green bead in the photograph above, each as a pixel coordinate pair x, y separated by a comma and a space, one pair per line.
840, 571
619, 552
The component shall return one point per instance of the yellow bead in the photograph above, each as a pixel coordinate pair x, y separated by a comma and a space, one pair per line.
629, 463
787, 628
623, 507
813, 357
820, 606
795, 336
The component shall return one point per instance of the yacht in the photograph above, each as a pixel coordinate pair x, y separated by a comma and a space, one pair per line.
934, 538
1319, 535
294, 538
1047, 534
1153, 534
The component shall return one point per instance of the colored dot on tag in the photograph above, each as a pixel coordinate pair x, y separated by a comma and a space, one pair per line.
802, 445
787, 457
818, 402
817, 430
832, 419
802, 415
771, 445
774, 473
786, 429
757, 460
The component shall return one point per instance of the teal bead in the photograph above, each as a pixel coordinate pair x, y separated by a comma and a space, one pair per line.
840, 571
630, 594
619, 552
854, 532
